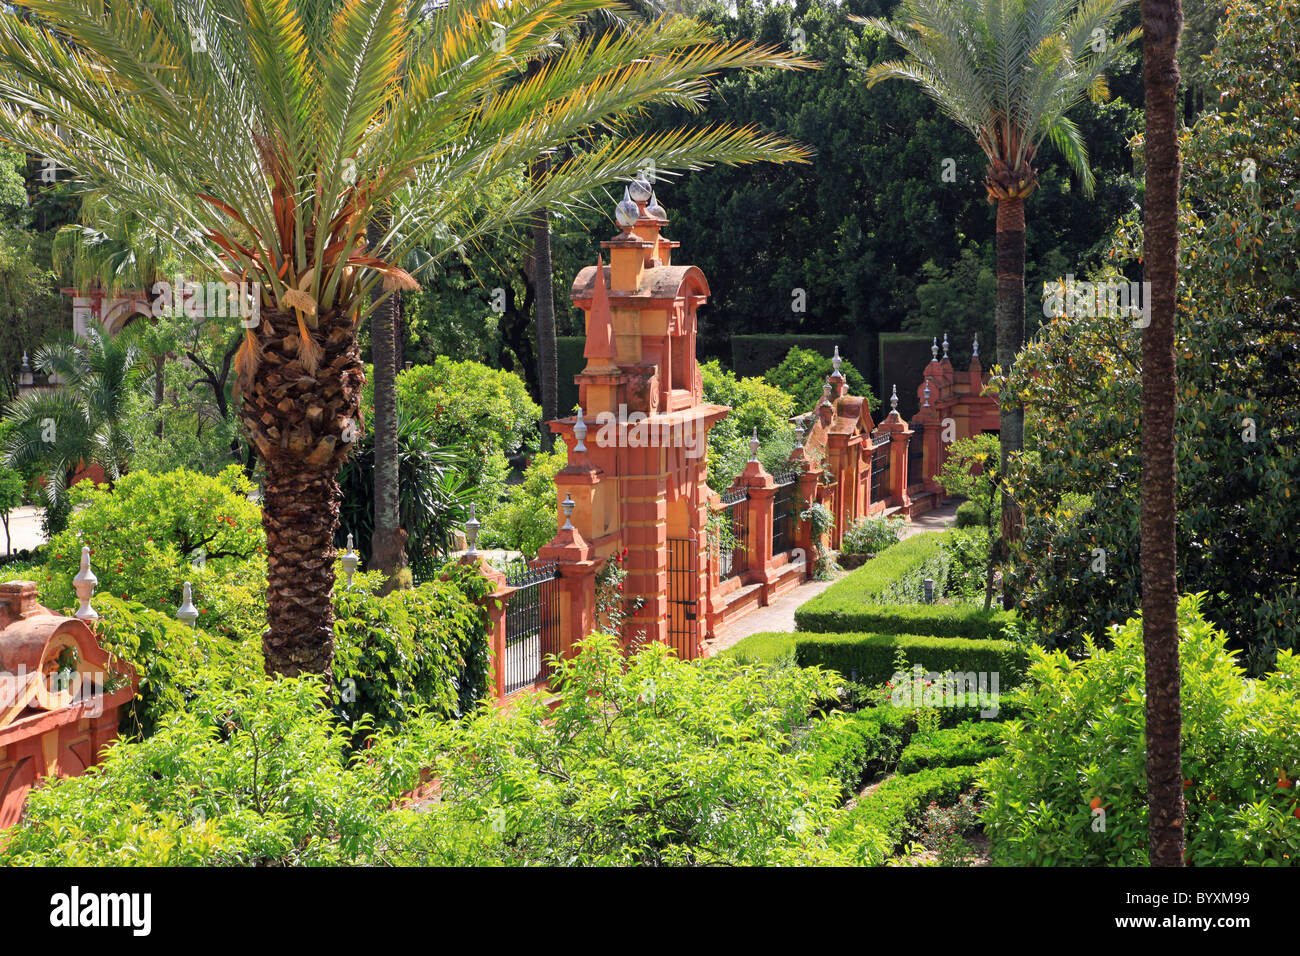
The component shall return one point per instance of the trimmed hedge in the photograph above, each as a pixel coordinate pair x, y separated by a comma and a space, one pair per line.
847, 748
960, 746
879, 824
871, 656
756, 354
871, 598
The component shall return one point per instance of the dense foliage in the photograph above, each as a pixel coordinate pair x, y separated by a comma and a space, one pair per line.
1238, 412
754, 405
526, 520
803, 373
1071, 788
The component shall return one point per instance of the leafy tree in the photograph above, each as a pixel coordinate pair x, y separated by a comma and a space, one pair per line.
526, 519
1238, 400
754, 405
803, 372
268, 134
83, 422
1008, 73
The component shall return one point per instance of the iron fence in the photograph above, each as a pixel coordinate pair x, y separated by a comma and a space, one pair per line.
733, 547
783, 513
532, 622
683, 596
880, 468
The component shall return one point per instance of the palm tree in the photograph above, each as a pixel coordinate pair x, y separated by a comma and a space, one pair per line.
269, 133
83, 421
1162, 22
1009, 71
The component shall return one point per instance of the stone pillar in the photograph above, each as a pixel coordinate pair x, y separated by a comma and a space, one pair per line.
496, 608
761, 505
577, 591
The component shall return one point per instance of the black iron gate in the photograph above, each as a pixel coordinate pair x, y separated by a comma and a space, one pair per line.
532, 622
783, 508
683, 596
916, 454
880, 468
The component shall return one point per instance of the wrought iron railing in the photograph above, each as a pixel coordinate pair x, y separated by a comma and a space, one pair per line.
783, 512
733, 546
532, 622
916, 454
880, 468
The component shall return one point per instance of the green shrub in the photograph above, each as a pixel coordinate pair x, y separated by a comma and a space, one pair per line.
871, 535
967, 743
151, 533
644, 760
253, 774
872, 658
879, 823
846, 748
423, 648
754, 404
936, 620
1082, 739
971, 515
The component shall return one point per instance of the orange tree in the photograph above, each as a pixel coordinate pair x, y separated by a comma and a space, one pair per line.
266, 135
1238, 421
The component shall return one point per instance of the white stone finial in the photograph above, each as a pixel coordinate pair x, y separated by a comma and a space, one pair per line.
568, 505
471, 531
835, 364
187, 613
84, 584
975, 346
639, 189
934, 349
580, 433
350, 560
893, 398
927, 393
626, 213
826, 394
945, 345
798, 434
656, 208
753, 445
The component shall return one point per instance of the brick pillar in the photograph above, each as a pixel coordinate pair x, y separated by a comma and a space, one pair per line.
761, 504
577, 586
809, 493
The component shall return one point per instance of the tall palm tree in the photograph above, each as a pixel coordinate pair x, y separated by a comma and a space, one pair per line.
82, 422
1162, 22
1009, 71
269, 133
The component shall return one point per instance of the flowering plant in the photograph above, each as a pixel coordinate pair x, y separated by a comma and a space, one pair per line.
612, 608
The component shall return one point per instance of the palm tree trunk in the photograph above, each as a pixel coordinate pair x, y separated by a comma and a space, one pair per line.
388, 545
544, 302
1161, 24
1010, 318
298, 419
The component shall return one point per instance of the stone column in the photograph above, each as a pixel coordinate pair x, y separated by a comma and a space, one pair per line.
496, 608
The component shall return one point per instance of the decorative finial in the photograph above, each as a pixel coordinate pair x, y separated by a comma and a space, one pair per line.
350, 560
25, 373
580, 433
639, 189
927, 393
84, 584
655, 209
826, 394
934, 349
975, 346
798, 434
471, 530
626, 213
568, 504
753, 445
945, 345
893, 398
187, 613
835, 364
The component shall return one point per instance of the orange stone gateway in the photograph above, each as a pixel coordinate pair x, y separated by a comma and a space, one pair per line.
59, 696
